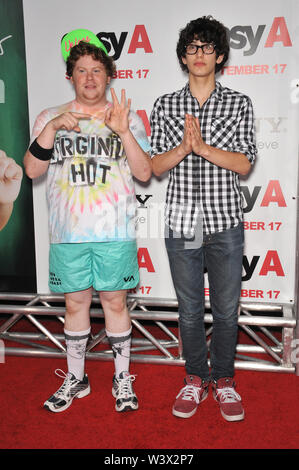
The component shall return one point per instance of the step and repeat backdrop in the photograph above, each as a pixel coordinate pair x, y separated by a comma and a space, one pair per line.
141, 36
17, 251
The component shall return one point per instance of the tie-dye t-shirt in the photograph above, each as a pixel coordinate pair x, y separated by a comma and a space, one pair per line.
90, 187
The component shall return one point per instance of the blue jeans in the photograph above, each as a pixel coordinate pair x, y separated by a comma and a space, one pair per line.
222, 254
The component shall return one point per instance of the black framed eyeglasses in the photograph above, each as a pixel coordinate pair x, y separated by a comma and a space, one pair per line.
206, 48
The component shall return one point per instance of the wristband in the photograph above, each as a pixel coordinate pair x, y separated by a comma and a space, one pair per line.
40, 152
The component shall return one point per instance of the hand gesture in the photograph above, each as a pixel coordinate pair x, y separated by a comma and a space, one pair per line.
68, 121
186, 143
10, 179
117, 117
192, 136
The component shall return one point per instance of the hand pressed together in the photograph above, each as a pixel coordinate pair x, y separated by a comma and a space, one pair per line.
192, 140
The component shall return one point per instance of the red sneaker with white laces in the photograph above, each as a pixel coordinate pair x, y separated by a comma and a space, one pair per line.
229, 400
190, 396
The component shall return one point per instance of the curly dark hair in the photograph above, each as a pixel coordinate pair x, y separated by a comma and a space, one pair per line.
84, 48
205, 29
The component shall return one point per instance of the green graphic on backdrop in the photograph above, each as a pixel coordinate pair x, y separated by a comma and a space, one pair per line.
17, 252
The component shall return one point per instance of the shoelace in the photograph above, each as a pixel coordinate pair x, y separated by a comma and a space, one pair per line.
190, 392
63, 391
228, 395
125, 386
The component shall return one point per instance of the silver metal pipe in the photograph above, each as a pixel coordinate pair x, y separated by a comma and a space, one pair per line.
16, 317
140, 342
262, 343
152, 338
166, 330
263, 329
140, 310
155, 316
155, 302
241, 365
46, 332
99, 338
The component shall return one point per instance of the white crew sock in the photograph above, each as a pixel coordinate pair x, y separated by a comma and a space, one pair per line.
76, 342
121, 345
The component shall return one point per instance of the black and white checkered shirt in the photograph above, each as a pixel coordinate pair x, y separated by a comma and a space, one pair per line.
197, 187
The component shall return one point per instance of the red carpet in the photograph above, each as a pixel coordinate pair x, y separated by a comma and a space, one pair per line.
270, 402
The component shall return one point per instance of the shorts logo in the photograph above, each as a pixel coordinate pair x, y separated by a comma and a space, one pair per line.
54, 281
129, 278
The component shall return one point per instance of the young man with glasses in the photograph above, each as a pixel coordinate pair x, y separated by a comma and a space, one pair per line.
203, 135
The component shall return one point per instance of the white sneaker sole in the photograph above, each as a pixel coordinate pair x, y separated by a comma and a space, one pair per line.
233, 417
229, 418
124, 406
180, 414
51, 406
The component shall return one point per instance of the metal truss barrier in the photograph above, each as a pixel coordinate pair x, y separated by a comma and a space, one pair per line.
270, 327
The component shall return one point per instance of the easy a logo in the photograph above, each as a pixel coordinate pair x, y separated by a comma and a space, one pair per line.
244, 36
139, 40
271, 263
273, 194
144, 260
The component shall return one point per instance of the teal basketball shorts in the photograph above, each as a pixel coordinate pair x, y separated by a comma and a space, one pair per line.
105, 266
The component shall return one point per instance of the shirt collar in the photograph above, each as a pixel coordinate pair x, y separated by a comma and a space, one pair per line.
217, 92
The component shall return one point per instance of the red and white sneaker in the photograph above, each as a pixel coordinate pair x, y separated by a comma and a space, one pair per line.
229, 400
190, 396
